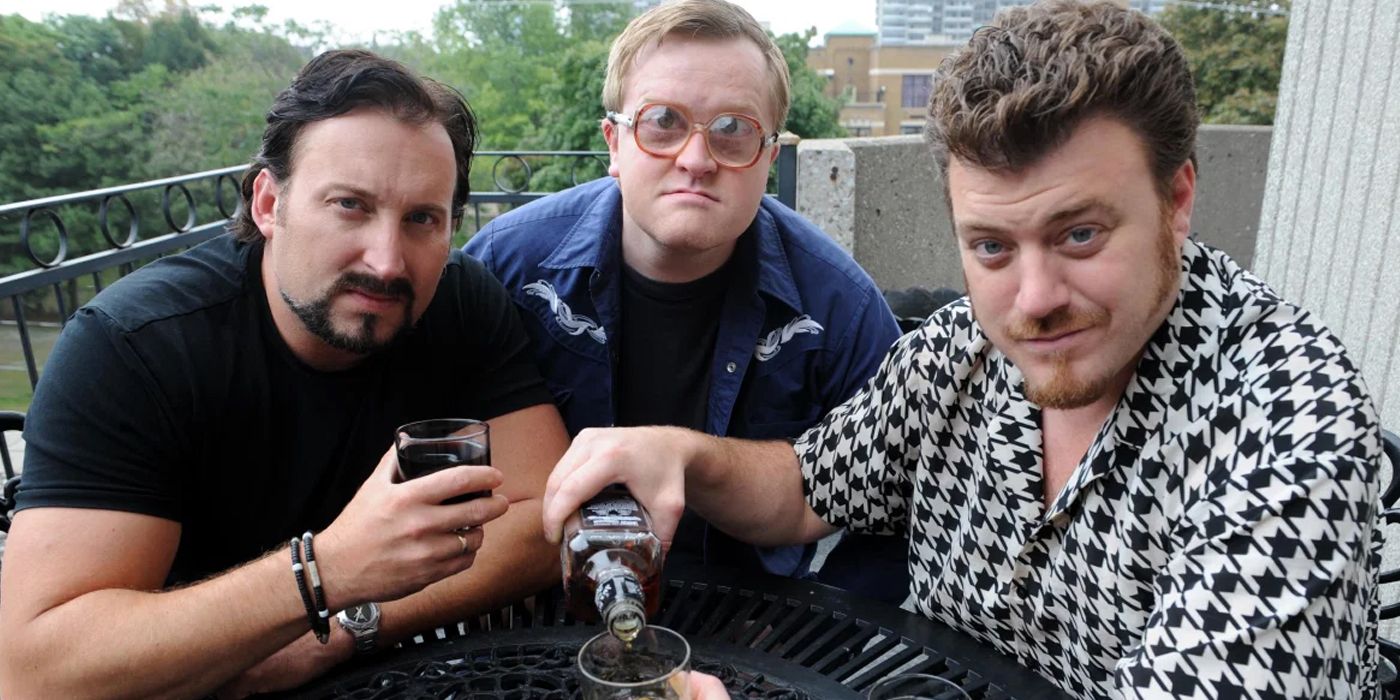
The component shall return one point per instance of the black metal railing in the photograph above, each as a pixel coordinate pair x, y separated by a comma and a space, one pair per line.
57, 252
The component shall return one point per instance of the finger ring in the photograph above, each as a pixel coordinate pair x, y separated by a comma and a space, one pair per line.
463, 540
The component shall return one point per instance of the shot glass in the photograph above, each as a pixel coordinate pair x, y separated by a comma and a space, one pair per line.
653, 666
430, 446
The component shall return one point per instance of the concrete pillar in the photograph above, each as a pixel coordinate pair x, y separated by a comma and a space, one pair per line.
826, 184
1329, 233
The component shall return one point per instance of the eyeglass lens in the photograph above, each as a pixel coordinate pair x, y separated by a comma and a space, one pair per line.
733, 139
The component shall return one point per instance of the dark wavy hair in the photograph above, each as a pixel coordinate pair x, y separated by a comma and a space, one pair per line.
337, 82
1028, 80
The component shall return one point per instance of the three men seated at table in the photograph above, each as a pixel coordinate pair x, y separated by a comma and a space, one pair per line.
1122, 460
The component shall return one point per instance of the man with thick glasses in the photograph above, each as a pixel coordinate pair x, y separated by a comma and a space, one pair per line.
674, 292
662, 130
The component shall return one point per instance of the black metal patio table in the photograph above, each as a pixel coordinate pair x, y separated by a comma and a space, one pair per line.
764, 636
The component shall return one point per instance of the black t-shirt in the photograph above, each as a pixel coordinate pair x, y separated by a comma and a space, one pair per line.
668, 344
663, 375
172, 394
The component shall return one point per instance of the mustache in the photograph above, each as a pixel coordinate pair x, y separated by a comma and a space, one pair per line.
397, 288
1058, 322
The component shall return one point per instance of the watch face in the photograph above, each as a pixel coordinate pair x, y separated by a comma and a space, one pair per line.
362, 615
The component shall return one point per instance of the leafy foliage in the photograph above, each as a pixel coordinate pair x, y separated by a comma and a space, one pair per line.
1236, 58
812, 115
157, 89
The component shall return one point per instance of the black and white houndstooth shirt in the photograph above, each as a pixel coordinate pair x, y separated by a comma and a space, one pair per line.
1218, 540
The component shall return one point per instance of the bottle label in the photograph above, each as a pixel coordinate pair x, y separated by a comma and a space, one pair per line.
615, 586
612, 511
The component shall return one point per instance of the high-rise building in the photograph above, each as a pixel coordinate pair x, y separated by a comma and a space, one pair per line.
1151, 7
883, 77
925, 22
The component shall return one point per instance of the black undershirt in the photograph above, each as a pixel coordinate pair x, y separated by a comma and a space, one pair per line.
663, 374
668, 344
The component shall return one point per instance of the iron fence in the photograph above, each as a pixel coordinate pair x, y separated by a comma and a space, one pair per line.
57, 252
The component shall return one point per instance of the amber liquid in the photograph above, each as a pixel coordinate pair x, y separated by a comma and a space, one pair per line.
610, 532
579, 592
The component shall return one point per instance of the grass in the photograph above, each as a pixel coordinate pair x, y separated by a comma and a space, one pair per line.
14, 377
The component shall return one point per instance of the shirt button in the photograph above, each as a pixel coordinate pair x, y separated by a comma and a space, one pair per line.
731, 367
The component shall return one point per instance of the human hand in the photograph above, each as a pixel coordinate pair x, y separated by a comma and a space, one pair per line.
393, 539
291, 666
706, 687
651, 461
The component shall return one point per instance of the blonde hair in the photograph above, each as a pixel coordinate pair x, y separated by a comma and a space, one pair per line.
699, 19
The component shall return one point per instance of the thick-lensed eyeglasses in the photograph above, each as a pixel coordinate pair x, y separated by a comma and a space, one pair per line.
662, 130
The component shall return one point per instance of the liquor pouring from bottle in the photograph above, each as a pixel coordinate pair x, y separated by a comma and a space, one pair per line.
612, 562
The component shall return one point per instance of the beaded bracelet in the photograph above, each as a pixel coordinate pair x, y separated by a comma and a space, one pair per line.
321, 624
297, 571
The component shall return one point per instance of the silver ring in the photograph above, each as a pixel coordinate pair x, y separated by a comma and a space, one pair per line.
463, 540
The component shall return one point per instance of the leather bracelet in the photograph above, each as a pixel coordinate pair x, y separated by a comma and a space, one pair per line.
298, 571
321, 621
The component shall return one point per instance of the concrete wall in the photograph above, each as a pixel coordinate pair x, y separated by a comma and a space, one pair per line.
880, 199
1332, 209
1330, 232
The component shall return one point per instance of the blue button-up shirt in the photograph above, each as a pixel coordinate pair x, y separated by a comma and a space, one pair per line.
801, 329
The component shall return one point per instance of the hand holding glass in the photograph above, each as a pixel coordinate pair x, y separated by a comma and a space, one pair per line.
653, 666
430, 446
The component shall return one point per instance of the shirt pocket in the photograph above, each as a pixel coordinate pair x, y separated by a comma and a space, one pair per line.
563, 329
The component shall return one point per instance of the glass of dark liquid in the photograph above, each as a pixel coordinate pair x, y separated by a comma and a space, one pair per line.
429, 446
653, 666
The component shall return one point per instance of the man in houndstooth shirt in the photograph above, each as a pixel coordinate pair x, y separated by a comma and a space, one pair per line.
1123, 460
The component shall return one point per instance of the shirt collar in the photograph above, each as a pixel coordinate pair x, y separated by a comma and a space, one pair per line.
774, 270
582, 246
1188, 333
593, 236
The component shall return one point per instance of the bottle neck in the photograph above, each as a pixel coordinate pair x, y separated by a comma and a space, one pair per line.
620, 602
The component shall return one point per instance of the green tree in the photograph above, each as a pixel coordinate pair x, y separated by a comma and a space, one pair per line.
39, 87
178, 41
110, 146
500, 54
214, 116
105, 50
812, 114
574, 100
593, 21
1236, 57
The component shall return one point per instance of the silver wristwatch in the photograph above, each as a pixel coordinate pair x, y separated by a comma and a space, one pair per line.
362, 622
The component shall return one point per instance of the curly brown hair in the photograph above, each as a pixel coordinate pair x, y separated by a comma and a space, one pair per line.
1027, 81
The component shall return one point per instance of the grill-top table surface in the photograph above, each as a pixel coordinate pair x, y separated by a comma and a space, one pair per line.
765, 636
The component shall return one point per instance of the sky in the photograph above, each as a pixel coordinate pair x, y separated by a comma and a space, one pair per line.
359, 20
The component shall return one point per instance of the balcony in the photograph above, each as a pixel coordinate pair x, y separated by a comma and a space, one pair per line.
69, 247
879, 198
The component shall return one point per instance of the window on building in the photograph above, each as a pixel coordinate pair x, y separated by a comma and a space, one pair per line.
915, 91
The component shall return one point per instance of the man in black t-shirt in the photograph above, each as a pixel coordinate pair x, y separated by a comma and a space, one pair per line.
204, 410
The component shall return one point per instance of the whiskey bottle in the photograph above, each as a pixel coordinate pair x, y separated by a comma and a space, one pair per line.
612, 563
